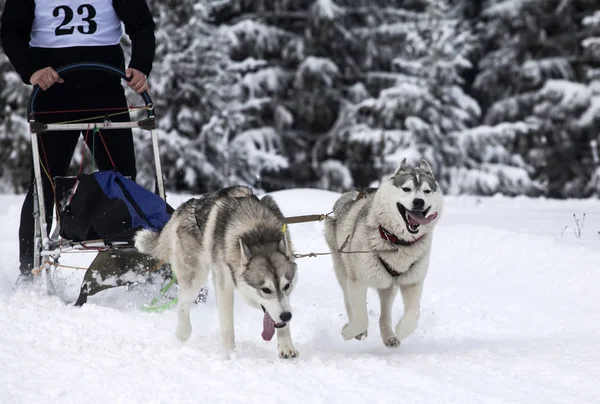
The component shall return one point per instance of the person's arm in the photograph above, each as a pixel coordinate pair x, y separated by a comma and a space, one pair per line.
139, 26
15, 32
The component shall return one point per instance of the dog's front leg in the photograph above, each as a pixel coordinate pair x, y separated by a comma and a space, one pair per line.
224, 298
386, 299
411, 296
285, 346
357, 296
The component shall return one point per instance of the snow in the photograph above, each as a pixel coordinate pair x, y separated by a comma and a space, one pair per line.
270, 80
316, 68
510, 314
327, 10
264, 38
508, 9
536, 71
592, 20
259, 148
567, 93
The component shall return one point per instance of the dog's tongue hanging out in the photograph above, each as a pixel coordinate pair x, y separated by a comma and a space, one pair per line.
268, 327
417, 217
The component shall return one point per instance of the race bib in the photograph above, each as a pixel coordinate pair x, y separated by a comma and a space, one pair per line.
66, 23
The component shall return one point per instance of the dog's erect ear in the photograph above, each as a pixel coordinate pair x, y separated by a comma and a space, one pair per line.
401, 166
246, 253
269, 202
426, 167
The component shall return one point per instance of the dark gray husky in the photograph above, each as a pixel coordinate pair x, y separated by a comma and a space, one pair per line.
244, 241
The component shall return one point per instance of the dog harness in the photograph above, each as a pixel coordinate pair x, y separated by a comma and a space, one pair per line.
393, 239
389, 269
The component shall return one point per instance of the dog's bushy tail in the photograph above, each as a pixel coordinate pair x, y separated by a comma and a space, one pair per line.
146, 242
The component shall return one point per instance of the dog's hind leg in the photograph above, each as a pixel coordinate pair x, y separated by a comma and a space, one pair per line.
187, 294
386, 299
189, 283
224, 298
411, 296
357, 297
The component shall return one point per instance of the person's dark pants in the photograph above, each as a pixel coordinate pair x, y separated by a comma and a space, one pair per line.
56, 148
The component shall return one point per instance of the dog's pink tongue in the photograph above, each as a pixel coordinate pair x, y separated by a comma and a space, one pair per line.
419, 218
268, 327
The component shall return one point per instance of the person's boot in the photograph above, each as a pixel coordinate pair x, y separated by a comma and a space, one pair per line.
25, 278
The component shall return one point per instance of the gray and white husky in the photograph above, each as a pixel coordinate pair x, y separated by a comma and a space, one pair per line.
243, 240
388, 234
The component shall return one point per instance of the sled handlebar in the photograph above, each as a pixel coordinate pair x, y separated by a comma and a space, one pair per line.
89, 66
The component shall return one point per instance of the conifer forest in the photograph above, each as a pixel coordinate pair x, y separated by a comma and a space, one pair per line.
500, 96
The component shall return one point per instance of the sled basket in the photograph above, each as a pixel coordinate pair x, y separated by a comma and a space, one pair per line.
99, 211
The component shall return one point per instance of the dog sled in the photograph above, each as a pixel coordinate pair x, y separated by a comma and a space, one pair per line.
96, 212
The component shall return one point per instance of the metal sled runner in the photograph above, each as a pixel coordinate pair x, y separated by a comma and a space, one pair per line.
114, 257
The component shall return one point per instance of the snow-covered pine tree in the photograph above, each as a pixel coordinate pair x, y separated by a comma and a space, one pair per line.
531, 75
591, 118
289, 90
15, 152
192, 85
15, 155
407, 96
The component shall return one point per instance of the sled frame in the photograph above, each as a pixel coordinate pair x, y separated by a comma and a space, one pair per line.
49, 247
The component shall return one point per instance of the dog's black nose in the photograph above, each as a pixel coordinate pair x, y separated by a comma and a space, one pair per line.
285, 316
418, 203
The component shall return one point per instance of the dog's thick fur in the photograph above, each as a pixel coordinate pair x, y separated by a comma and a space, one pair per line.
387, 266
242, 239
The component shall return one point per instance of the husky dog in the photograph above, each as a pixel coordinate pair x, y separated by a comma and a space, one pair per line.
390, 230
244, 241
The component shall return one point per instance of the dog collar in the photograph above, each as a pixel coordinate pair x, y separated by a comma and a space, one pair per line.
392, 238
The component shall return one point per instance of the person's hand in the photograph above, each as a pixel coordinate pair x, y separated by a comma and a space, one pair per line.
45, 78
138, 82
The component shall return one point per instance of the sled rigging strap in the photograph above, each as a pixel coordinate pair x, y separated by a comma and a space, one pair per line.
123, 111
341, 250
47, 264
306, 218
320, 218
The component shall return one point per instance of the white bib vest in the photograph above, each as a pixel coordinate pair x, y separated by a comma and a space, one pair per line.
67, 23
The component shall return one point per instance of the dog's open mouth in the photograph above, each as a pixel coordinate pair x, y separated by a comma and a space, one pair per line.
269, 326
415, 218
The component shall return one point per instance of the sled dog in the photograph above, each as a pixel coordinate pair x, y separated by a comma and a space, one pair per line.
394, 224
245, 243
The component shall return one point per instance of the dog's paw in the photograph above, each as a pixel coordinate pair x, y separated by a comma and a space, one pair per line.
353, 331
230, 355
287, 352
183, 333
391, 342
406, 326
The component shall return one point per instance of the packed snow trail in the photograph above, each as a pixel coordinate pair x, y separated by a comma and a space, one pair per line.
510, 314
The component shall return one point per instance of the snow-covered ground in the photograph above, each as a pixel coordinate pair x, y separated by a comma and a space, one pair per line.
510, 314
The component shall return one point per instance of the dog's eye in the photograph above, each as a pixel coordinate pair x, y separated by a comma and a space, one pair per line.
406, 189
267, 291
427, 191
286, 287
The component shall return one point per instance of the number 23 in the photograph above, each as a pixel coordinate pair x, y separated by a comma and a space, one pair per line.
64, 29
